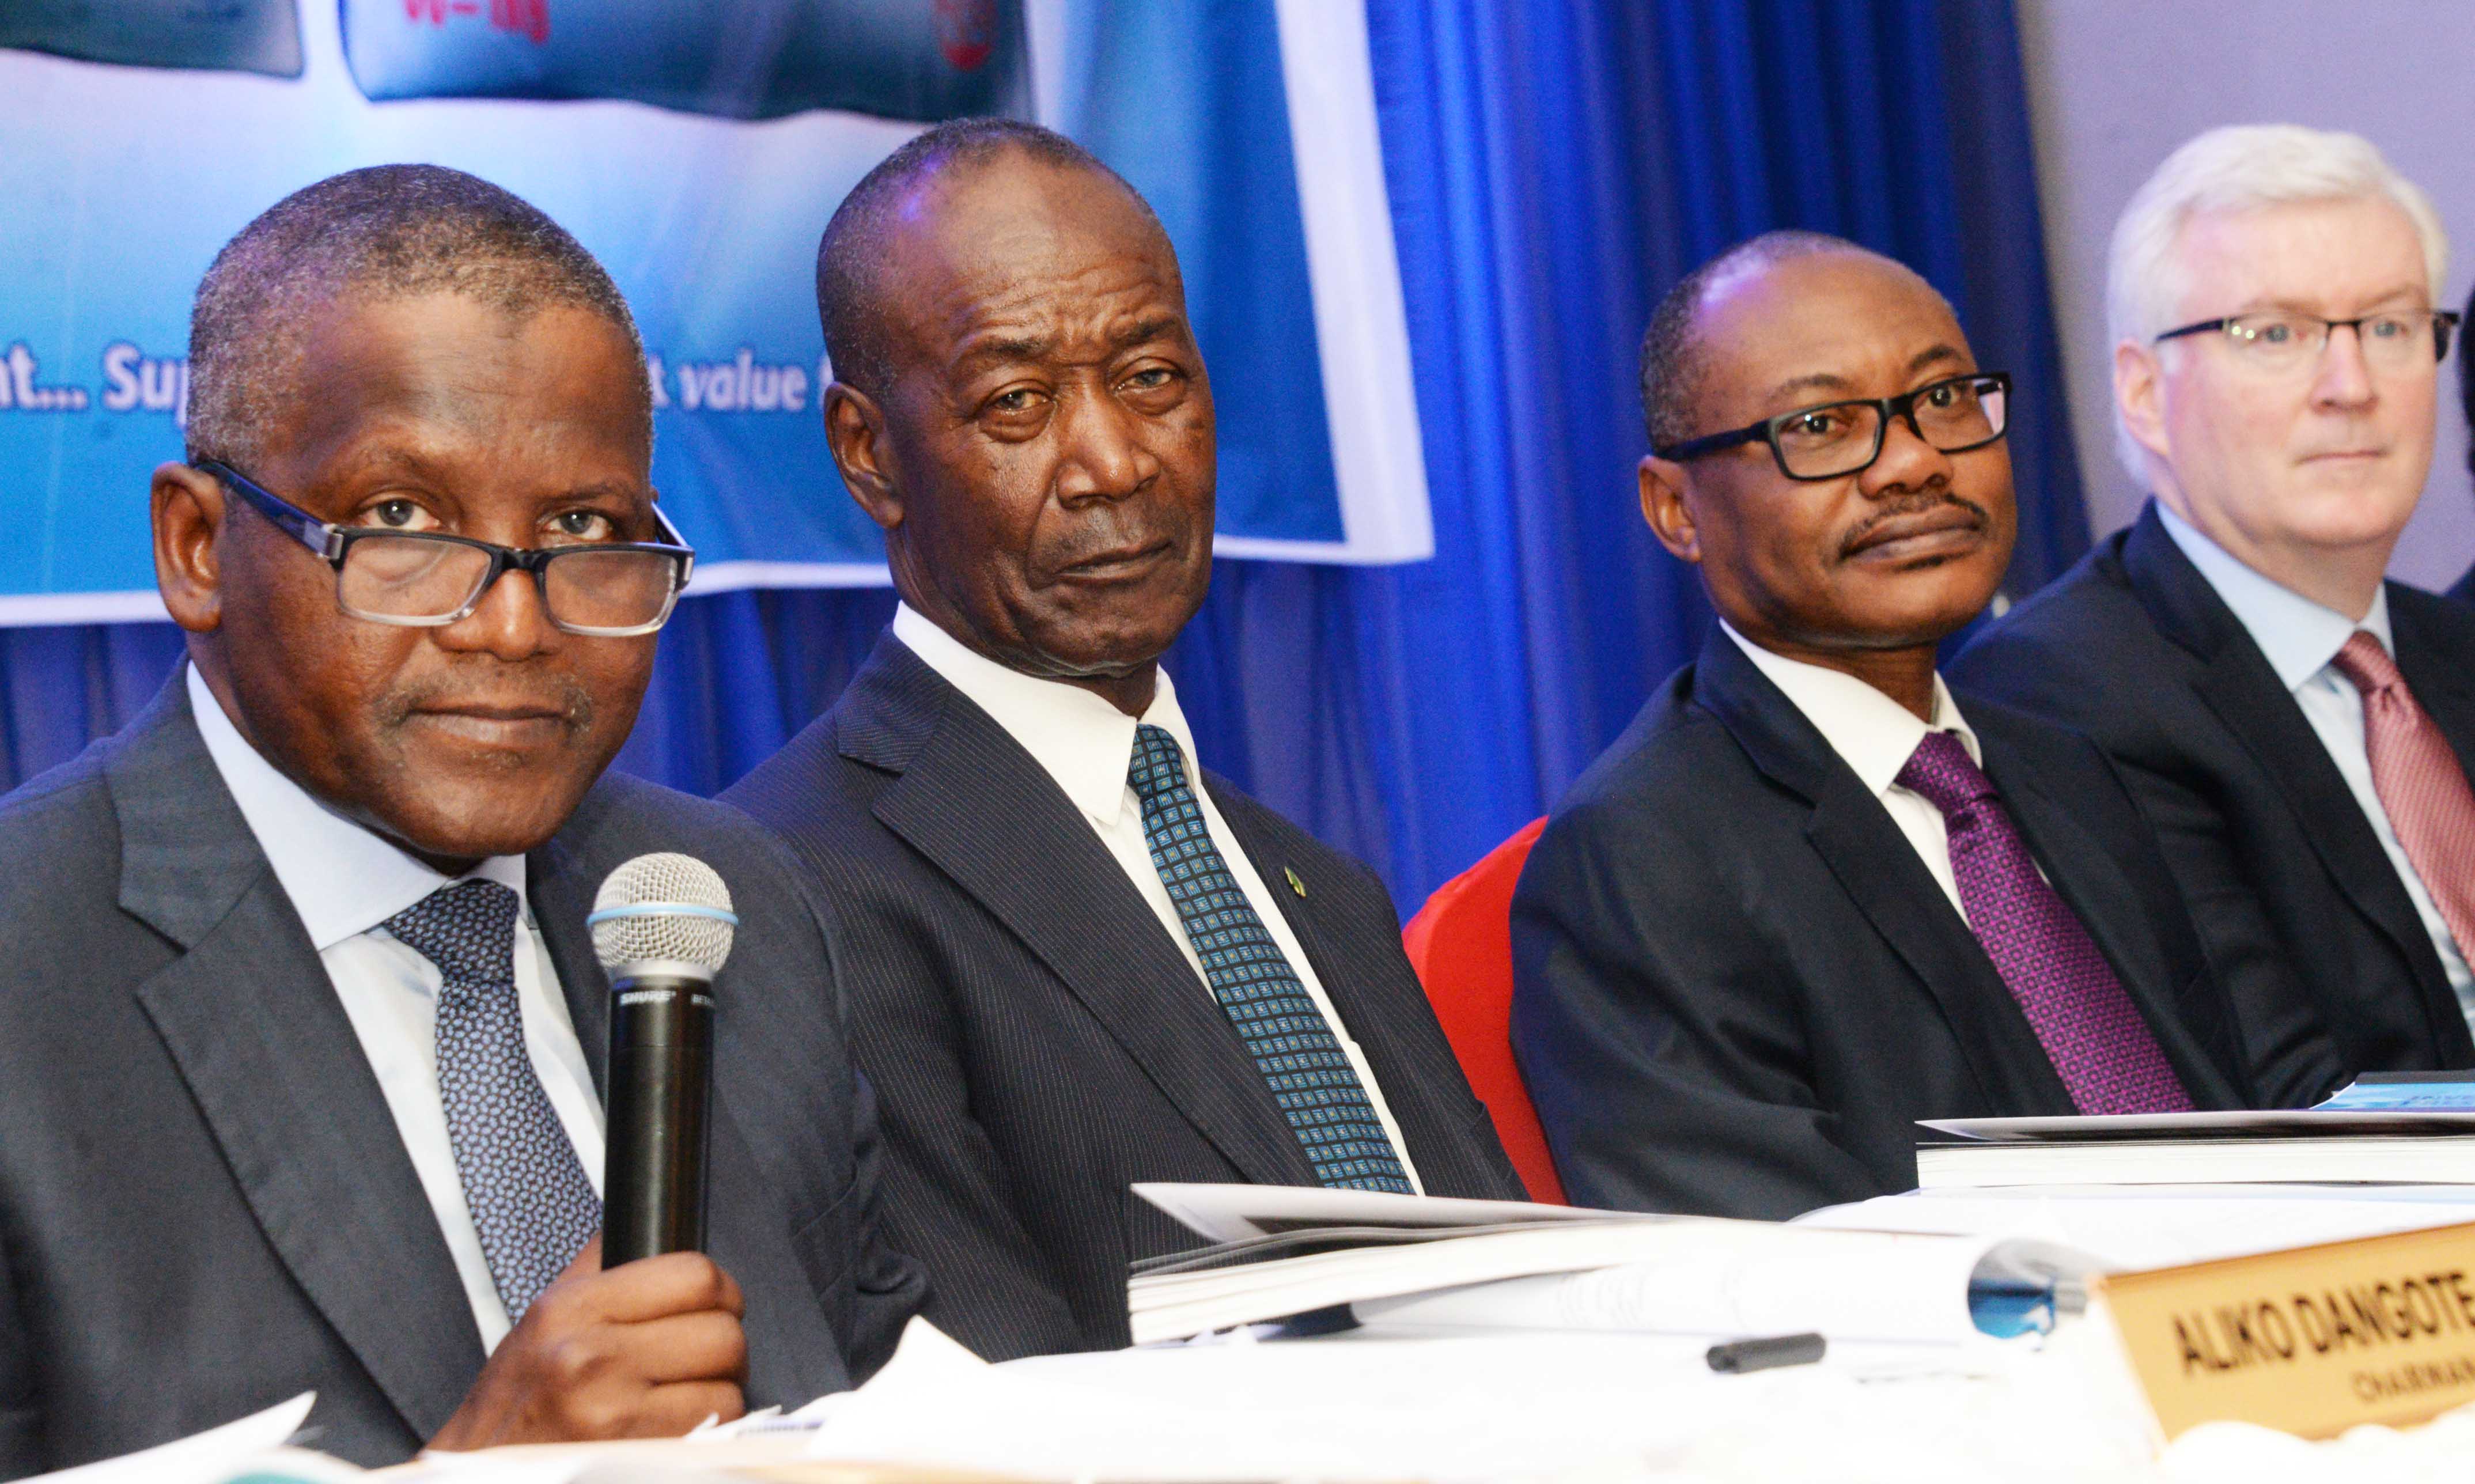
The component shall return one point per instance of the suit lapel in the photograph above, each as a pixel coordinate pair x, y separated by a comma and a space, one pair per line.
1880, 870
2446, 692
248, 1015
560, 893
2439, 680
2238, 685
973, 802
1381, 1008
790, 1356
2091, 882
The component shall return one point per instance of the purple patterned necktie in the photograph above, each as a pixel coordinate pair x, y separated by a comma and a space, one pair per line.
2108, 1060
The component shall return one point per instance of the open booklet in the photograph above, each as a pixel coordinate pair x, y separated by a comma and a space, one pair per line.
1277, 1252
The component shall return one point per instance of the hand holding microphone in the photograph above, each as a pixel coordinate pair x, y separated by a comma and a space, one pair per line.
662, 928
641, 1336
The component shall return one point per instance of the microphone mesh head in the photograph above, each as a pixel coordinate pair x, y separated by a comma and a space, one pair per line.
644, 887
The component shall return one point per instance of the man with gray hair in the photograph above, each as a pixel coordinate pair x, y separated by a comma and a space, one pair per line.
2299, 729
304, 1041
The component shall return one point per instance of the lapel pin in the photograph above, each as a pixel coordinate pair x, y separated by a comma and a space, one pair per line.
1295, 884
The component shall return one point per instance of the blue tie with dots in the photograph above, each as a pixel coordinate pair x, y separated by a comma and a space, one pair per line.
532, 1203
1308, 1074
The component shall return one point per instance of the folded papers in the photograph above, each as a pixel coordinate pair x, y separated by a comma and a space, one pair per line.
2396, 1128
1412, 1262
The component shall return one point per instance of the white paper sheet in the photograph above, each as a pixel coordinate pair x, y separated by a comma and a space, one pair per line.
2308, 1123
212, 1456
2163, 1225
1233, 1213
1505, 1407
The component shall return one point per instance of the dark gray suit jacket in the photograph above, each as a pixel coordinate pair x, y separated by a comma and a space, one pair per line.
1037, 1038
2305, 921
1736, 988
205, 1205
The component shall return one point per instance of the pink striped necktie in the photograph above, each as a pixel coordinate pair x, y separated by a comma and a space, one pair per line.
2108, 1059
2422, 789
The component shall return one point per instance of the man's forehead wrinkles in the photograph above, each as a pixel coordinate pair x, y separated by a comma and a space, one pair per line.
1048, 324
999, 292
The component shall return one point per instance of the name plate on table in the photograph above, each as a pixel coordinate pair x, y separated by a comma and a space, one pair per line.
2309, 1340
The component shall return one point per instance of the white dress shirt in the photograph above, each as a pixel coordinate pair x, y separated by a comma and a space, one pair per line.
344, 881
1875, 736
2301, 639
1088, 747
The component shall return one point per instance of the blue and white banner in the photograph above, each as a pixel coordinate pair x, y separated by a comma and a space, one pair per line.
698, 148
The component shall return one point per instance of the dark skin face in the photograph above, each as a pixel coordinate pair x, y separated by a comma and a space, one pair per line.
1042, 463
432, 413
1867, 573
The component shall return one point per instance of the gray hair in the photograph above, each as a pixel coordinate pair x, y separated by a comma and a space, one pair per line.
2239, 168
387, 231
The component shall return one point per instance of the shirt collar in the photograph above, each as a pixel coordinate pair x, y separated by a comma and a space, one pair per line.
1078, 739
343, 878
2298, 635
1872, 734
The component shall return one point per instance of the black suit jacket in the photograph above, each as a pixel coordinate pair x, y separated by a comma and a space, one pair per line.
1736, 988
205, 1205
2304, 917
2464, 589
1037, 1038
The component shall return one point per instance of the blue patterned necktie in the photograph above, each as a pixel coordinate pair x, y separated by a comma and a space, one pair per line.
1308, 1074
532, 1203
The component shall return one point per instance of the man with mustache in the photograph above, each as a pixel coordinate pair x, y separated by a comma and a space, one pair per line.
2301, 731
1075, 959
1808, 897
301, 1051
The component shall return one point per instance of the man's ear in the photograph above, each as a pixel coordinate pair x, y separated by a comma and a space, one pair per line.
2140, 394
856, 432
188, 508
1662, 506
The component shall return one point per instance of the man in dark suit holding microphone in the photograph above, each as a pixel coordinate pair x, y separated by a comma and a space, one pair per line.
301, 1049
1076, 959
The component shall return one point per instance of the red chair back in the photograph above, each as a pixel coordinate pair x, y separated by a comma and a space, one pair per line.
1460, 943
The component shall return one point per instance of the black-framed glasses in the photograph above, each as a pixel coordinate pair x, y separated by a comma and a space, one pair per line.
2284, 340
427, 579
1832, 440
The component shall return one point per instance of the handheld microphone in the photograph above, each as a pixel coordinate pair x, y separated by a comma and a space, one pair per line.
662, 927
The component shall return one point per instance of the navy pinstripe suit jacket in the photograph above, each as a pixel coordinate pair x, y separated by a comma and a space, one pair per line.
1035, 1039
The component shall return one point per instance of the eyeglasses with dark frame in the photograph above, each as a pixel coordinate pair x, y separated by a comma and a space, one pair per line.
1832, 440
2282, 339
428, 579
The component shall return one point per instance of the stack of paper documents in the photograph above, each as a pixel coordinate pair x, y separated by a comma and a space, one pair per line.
2400, 1128
1406, 1261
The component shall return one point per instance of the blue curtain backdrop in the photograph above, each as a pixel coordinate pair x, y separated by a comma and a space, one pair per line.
1554, 168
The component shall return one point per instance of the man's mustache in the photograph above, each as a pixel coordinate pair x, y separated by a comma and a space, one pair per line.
1910, 507
1112, 535
566, 698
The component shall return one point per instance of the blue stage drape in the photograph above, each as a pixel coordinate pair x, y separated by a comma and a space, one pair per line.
1553, 167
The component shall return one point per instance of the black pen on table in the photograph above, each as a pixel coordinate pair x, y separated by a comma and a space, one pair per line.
1766, 1354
